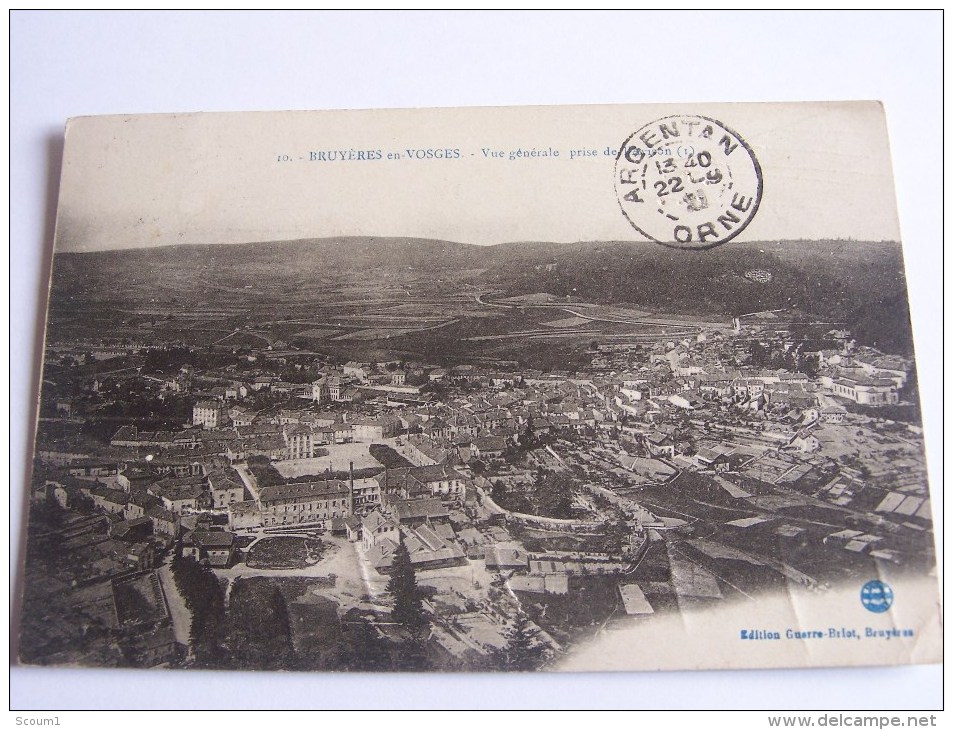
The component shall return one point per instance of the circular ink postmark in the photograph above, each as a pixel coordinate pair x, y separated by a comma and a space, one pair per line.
687, 181
876, 596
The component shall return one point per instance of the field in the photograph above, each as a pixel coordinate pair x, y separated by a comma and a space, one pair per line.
388, 457
397, 314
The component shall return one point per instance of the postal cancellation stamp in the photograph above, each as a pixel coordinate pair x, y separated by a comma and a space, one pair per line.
688, 181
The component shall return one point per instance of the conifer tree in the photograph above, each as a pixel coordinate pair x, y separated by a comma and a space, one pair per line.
408, 602
523, 652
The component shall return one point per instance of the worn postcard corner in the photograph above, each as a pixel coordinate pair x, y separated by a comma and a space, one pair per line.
509, 389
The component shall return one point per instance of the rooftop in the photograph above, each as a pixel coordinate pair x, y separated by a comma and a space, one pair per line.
302, 490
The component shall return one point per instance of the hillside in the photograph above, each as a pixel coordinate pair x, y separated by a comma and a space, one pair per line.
858, 283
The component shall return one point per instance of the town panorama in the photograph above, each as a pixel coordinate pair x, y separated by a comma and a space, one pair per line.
380, 455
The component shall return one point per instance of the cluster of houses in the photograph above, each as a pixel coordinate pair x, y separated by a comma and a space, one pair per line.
161, 475
143, 501
692, 404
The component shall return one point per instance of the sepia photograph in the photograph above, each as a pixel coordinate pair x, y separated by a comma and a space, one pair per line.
486, 389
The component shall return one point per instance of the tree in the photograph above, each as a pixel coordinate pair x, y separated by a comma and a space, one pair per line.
554, 495
260, 627
523, 652
360, 649
205, 599
411, 656
408, 603
527, 438
810, 366
617, 536
498, 491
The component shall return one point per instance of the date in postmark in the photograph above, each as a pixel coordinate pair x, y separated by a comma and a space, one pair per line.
687, 181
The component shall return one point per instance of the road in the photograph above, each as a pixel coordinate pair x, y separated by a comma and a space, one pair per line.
181, 616
352, 583
251, 484
642, 318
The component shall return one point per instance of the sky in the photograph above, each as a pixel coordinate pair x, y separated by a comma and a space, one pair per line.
150, 180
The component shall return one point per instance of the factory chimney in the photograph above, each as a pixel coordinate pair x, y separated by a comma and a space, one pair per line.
350, 491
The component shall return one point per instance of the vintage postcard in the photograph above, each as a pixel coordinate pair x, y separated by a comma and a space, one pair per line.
506, 389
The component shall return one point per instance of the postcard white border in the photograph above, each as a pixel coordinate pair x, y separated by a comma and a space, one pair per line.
64, 64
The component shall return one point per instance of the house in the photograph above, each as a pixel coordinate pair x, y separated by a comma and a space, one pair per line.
438, 480
304, 502
270, 445
134, 478
350, 395
352, 528
180, 495
437, 429
95, 470
109, 500
140, 502
428, 550
495, 420
688, 400
488, 447
357, 370
659, 444
343, 433
287, 416
506, 556
716, 459
366, 494
164, 522
334, 388
134, 530
805, 442
374, 429
423, 451
748, 388
299, 441
211, 547
318, 389
833, 414
718, 384
262, 382
376, 527
244, 515
889, 367
240, 416
187, 439
224, 490
866, 391
208, 414
125, 436
415, 512
178, 466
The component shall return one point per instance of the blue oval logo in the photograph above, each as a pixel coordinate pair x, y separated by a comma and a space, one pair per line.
876, 596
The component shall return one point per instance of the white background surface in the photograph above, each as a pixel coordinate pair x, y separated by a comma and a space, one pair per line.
72, 64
